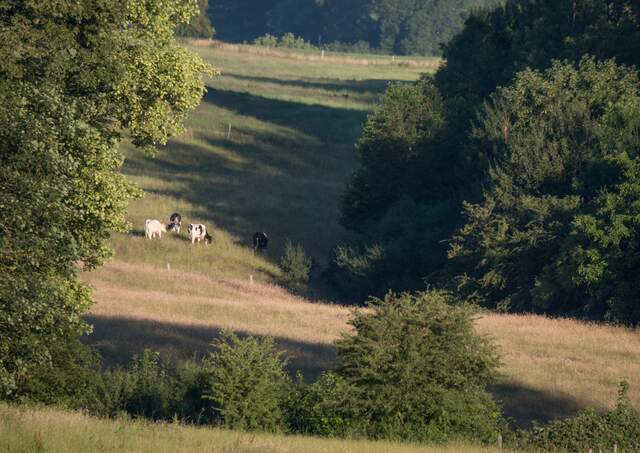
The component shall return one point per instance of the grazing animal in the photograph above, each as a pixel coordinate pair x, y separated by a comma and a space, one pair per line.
153, 228
208, 239
175, 222
260, 241
197, 232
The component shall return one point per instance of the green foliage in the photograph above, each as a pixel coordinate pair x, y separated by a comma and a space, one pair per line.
295, 265
199, 26
399, 201
248, 383
588, 430
558, 229
391, 26
72, 379
73, 79
418, 371
495, 45
287, 40
323, 408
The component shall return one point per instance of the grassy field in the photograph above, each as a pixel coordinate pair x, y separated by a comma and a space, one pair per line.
551, 368
24, 430
269, 149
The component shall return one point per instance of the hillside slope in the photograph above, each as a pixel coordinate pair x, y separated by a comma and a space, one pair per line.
281, 169
551, 367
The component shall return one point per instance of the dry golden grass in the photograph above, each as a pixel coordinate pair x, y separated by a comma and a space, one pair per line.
551, 367
428, 63
555, 366
24, 429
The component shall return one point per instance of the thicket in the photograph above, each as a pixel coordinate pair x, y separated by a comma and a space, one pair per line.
520, 199
390, 26
413, 369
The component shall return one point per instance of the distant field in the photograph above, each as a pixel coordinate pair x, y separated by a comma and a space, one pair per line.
269, 149
38, 430
552, 368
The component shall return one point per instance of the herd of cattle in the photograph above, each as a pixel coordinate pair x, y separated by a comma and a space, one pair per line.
197, 231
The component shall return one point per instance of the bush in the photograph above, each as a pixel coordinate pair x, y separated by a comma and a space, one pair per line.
248, 384
322, 408
71, 379
589, 431
288, 40
266, 40
295, 265
418, 371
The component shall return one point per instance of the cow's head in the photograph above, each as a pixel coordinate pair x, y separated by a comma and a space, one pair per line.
190, 228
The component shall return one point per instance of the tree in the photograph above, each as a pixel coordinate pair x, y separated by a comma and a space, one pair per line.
199, 26
74, 77
558, 229
418, 371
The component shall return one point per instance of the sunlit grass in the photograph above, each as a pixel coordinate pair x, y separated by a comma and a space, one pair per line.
551, 367
45, 429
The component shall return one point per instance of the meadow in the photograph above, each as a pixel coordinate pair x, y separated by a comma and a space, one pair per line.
45, 429
270, 148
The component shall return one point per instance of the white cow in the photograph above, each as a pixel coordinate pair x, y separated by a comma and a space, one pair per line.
153, 228
198, 232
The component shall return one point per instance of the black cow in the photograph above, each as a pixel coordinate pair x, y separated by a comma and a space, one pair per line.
260, 241
175, 222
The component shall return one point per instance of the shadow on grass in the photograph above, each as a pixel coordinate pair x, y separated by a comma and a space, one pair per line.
285, 189
373, 86
119, 338
327, 124
522, 404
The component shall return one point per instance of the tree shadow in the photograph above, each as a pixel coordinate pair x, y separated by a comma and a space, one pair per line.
524, 405
363, 86
326, 124
118, 339
258, 185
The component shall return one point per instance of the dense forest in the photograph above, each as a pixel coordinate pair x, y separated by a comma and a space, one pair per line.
391, 26
512, 176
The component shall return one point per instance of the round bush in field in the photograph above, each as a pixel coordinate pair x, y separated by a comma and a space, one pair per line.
418, 371
248, 382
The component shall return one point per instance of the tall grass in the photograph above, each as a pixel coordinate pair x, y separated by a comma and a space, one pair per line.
46, 429
551, 367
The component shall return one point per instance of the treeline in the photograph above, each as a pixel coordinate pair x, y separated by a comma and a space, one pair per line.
511, 177
389, 26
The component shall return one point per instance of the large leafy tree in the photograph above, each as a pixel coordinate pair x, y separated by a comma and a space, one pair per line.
558, 230
74, 77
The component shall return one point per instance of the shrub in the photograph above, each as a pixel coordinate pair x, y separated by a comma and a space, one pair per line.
71, 379
322, 408
295, 265
266, 40
589, 431
288, 40
418, 371
248, 383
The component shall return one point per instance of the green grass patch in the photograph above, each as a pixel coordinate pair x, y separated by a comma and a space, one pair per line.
269, 149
